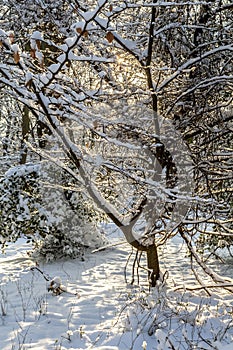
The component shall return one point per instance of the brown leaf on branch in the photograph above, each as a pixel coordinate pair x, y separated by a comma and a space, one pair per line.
79, 30
29, 83
38, 44
110, 8
33, 53
109, 37
16, 57
11, 37
82, 32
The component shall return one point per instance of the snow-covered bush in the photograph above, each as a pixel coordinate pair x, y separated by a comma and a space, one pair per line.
59, 221
20, 205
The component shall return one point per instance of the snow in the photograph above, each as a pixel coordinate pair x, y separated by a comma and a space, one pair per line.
100, 311
102, 22
101, 2
22, 170
54, 67
61, 58
28, 77
70, 41
88, 15
33, 44
64, 47
102, 74
36, 35
39, 56
15, 48
3, 34
45, 77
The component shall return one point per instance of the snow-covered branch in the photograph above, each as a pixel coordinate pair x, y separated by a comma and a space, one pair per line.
191, 63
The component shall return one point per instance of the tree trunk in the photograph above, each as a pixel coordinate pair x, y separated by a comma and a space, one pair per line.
25, 131
152, 260
152, 264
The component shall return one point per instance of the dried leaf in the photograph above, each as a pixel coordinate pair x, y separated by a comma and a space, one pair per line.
38, 44
16, 57
1, 44
79, 30
11, 37
68, 64
29, 83
33, 53
110, 8
95, 124
42, 63
109, 37
82, 32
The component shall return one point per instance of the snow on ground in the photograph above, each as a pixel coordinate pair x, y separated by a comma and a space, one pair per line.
101, 311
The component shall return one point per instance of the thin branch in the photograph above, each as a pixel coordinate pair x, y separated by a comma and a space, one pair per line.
214, 276
208, 286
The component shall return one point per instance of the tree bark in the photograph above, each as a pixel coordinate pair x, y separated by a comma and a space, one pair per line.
152, 260
152, 264
151, 252
25, 131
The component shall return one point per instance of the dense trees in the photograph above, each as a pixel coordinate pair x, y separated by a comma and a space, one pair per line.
137, 97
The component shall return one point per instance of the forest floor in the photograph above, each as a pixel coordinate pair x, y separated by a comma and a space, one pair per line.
101, 310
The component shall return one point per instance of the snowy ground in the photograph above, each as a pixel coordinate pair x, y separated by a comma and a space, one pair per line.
101, 311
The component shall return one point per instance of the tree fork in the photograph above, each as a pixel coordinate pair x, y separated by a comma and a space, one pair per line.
152, 260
